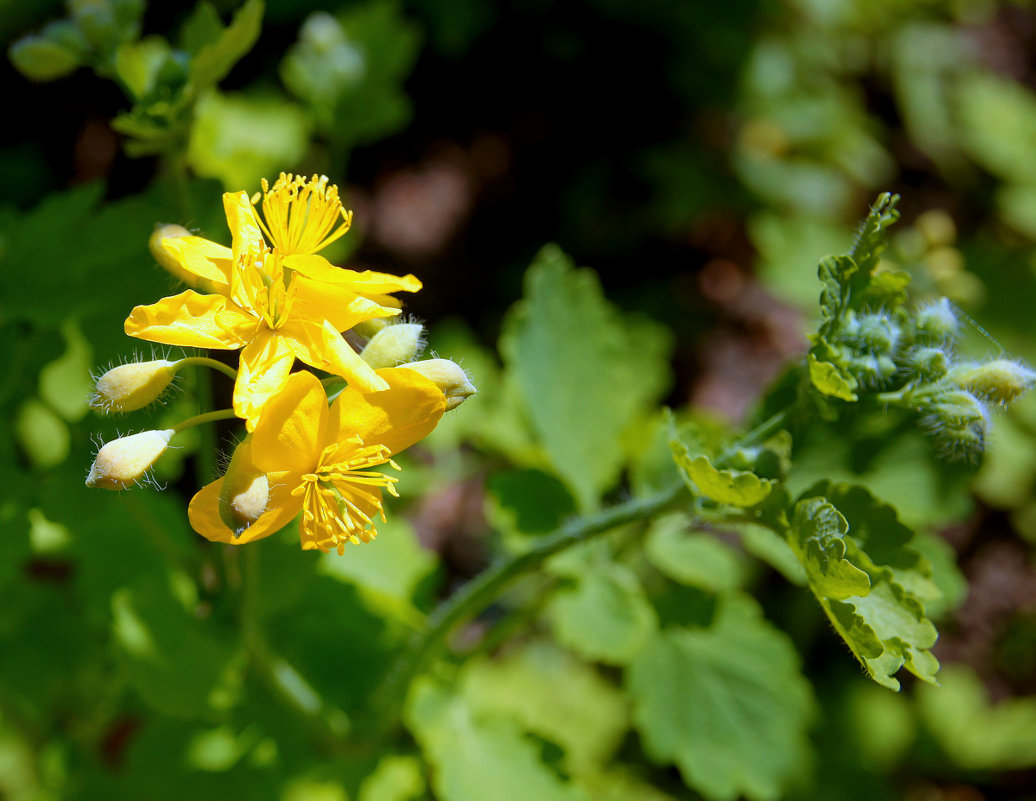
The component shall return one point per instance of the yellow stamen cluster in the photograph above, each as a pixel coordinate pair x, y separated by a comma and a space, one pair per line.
301, 216
269, 288
341, 498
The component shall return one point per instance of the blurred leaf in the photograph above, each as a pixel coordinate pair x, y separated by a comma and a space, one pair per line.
693, 558
975, 733
397, 778
727, 704
997, 119
66, 383
202, 27
587, 720
49, 55
387, 570
169, 656
565, 328
605, 616
532, 501
774, 550
241, 139
788, 248
831, 380
351, 70
215, 59
42, 435
138, 63
476, 757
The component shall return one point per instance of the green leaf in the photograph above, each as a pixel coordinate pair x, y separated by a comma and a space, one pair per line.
997, 118
531, 501
214, 60
397, 778
727, 704
848, 539
731, 487
587, 720
40, 58
831, 380
817, 537
169, 657
975, 733
579, 372
240, 139
138, 64
478, 757
604, 615
202, 27
693, 558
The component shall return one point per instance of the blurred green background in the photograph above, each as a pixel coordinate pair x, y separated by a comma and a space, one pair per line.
700, 158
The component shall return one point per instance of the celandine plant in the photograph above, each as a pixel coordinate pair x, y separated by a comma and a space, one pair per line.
713, 687
271, 296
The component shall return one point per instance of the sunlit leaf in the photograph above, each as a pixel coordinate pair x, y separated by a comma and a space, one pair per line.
727, 704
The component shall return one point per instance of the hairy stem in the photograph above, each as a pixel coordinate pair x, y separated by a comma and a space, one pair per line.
475, 596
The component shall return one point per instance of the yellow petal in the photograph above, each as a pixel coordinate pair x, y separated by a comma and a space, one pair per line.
207, 260
247, 240
203, 511
193, 320
263, 369
292, 429
321, 346
365, 283
339, 305
397, 417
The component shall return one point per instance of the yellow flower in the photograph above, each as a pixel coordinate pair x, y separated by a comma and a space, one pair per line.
277, 307
302, 216
317, 459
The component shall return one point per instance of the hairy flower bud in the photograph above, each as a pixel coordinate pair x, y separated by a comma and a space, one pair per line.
448, 376
937, 322
877, 333
122, 462
1000, 380
393, 345
245, 493
132, 386
927, 364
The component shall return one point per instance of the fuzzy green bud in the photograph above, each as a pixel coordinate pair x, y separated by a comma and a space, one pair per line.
448, 376
245, 492
1000, 380
132, 386
877, 333
927, 364
937, 322
123, 462
394, 345
958, 420
871, 371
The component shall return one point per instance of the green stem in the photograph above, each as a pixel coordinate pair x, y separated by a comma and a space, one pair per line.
207, 417
205, 361
477, 594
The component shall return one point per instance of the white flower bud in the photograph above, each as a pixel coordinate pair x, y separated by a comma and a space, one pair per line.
449, 377
122, 462
132, 386
393, 345
1000, 380
245, 493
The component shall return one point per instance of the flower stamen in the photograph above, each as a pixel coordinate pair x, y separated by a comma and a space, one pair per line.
301, 216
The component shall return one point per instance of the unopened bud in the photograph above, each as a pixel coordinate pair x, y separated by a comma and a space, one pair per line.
132, 386
245, 493
122, 462
937, 322
958, 420
393, 345
927, 364
1000, 380
877, 333
448, 376
959, 408
169, 259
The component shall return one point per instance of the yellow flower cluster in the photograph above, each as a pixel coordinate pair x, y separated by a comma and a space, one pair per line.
273, 297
